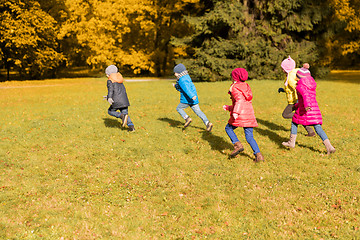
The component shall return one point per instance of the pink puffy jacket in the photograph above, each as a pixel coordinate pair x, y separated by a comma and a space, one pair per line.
306, 90
241, 96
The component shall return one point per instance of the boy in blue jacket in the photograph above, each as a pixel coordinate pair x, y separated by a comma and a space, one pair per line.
188, 97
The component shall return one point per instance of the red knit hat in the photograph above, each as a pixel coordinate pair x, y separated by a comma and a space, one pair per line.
239, 74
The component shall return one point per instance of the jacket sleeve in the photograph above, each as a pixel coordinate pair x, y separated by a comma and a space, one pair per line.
292, 81
110, 87
177, 86
290, 89
186, 87
301, 90
239, 98
307, 100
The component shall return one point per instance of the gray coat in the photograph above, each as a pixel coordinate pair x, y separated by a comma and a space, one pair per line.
117, 92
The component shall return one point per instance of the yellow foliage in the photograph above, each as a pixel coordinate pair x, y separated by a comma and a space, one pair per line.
348, 13
351, 47
138, 61
124, 32
179, 52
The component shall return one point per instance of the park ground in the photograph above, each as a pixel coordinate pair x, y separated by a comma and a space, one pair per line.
68, 170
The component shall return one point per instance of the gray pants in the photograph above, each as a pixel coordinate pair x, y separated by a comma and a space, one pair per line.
180, 109
288, 113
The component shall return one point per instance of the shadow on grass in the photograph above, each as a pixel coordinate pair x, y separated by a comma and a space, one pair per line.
217, 143
276, 138
172, 122
272, 126
221, 145
176, 124
244, 155
309, 147
112, 123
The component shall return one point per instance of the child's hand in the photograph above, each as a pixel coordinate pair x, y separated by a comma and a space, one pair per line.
226, 107
173, 84
105, 97
194, 98
110, 100
235, 115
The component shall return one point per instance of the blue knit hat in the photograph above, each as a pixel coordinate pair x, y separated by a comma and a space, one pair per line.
111, 69
179, 68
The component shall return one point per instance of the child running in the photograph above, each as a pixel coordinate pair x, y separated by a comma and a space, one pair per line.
117, 97
288, 66
241, 113
188, 97
307, 110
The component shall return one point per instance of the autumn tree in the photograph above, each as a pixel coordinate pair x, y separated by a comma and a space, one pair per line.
134, 34
153, 25
28, 39
349, 12
341, 45
92, 33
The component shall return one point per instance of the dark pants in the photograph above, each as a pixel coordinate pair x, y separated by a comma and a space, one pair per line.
288, 113
114, 112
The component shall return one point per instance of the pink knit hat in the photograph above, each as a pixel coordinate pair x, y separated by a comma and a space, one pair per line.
288, 64
303, 72
239, 74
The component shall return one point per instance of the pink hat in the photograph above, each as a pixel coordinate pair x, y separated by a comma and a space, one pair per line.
239, 74
288, 64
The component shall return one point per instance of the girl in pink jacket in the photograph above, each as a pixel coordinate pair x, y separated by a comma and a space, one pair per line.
307, 110
241, 113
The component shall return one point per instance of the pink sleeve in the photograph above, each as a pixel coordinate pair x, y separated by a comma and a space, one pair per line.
238, 96
301, 89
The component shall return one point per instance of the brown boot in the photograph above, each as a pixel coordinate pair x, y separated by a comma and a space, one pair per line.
310, 131
291, 142
238, 147
259, 157
329, 148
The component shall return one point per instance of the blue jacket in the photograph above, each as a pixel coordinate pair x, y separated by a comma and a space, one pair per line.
187, 90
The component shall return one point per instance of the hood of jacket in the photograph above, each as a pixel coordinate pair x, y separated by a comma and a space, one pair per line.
308, 82
116, 77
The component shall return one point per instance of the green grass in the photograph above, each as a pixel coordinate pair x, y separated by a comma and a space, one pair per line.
68, 170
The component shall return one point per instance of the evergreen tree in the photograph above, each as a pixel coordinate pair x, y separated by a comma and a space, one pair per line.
256, 35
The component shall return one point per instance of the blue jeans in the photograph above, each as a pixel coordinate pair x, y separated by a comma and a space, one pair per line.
248, 135
180, 109
317, 127
114, 112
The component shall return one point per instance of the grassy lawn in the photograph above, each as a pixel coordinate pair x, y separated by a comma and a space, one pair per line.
68, 170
